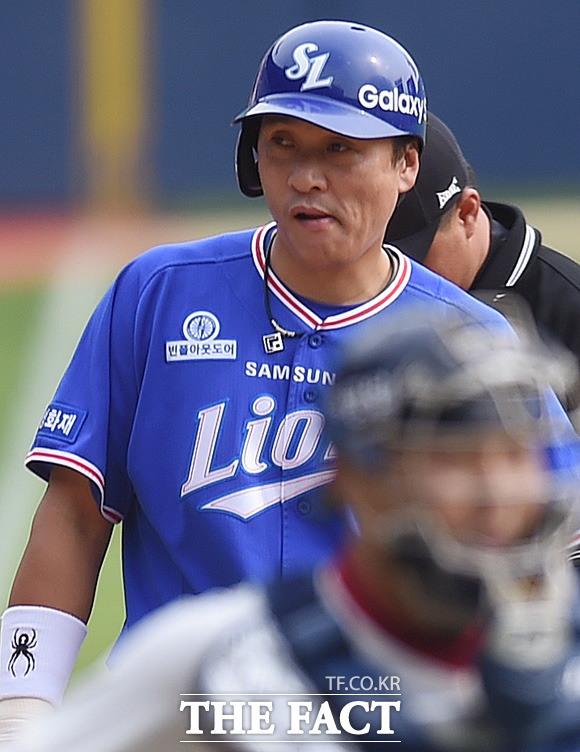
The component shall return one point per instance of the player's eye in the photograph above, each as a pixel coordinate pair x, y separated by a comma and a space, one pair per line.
282, 140
338, 147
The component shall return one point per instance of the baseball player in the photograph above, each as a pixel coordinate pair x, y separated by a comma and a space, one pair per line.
448, 622
483, 245
191, 409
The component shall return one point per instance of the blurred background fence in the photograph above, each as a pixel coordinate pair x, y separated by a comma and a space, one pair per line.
116, 101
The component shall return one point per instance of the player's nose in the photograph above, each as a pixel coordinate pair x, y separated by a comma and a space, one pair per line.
307, 174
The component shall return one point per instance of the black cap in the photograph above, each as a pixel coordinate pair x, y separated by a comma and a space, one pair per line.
443, 174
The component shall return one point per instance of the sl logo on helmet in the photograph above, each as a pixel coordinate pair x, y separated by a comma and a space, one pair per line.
311, 67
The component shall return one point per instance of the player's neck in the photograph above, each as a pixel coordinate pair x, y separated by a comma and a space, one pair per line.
334, 283
382, 606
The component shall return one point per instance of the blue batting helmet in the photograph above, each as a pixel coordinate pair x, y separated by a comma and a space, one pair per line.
345, 77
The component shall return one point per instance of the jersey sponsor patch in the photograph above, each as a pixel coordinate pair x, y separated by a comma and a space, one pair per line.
62, 422
200, 330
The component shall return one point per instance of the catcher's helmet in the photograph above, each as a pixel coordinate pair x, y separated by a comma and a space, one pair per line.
418, 382
345, 77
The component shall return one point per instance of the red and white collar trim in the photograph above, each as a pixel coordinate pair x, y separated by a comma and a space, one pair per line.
346, 318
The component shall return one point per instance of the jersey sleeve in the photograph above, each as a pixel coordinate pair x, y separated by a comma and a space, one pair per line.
87, 425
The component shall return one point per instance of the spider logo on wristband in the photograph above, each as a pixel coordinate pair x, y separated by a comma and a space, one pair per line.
22, 643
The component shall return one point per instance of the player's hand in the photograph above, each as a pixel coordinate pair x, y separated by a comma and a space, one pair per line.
16, 713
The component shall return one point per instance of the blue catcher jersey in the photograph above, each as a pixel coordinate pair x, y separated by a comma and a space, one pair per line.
210, 449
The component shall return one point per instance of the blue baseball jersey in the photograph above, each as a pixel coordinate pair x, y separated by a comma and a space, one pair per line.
210, 449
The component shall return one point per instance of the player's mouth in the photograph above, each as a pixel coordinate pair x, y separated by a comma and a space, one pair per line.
311, 216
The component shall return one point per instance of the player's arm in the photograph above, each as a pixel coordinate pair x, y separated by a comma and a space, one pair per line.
52, 597
68, 541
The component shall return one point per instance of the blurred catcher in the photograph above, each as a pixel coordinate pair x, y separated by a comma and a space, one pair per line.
453, 580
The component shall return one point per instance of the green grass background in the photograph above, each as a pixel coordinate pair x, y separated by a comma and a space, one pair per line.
21, 308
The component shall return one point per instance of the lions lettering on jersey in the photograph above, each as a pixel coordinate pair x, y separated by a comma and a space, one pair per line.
296, 440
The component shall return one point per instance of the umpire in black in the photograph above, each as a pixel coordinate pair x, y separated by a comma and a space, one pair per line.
484, 245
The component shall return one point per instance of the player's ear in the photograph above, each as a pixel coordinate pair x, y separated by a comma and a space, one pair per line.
408, 166
467, 210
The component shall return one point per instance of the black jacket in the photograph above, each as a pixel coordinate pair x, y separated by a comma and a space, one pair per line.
549, 281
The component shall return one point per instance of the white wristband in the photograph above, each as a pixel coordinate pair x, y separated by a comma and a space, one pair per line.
38, 650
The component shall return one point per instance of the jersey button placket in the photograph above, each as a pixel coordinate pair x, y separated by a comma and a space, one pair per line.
302, 394
315, 340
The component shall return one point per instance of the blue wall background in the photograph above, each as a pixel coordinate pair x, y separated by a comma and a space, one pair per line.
36, 122
505, 76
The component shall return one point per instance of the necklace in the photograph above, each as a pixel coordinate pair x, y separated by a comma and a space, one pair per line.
273, 342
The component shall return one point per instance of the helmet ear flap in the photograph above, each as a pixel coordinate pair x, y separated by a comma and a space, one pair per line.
246, 165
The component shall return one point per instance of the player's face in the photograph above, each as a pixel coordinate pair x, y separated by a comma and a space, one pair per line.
331, 197
490, 494
493, 494
470, 504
